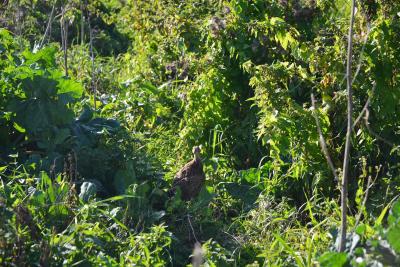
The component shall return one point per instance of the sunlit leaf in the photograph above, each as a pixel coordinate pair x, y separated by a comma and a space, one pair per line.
333, 259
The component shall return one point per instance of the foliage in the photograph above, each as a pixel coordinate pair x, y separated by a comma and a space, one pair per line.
370, 245
86, 160
43, 222
40, 128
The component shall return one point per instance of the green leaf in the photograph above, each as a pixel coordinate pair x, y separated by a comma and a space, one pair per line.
61, 135
88, 190
116, 198
382, 215
112, 216
393, 236
289, 250
19, 128
361, 229
47, 186
70, 87
248, 194
124, 178
46, 56
251, 176
86, 115
395, 211
38, 198
333, 259
204, 198
157, 215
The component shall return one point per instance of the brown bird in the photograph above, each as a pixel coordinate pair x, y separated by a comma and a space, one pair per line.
191, 177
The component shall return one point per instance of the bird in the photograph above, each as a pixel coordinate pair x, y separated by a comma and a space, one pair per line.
190, 179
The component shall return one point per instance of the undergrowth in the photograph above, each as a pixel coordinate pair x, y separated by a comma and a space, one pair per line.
92, 136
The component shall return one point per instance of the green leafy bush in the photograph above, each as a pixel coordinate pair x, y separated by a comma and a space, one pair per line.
86, 160
370, 245
39, 125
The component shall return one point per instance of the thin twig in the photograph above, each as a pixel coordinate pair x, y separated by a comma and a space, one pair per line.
362, 112
93, 83
361, 55
365, 108
48, 26
358, 217
82, 25
64, 40
360, 59
372, 132
370, 183
346, 161
234, 238
322, 141
365, 112
191, 227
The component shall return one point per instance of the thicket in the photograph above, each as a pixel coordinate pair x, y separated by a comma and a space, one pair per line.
101, 102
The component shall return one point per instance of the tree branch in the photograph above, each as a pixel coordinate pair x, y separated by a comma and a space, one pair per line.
64, 38
360, 59
93, 83
365, 108
346, 161
372, 132
48, 26
322, 141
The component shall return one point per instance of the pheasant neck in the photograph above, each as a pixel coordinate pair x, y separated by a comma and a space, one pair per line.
197, 157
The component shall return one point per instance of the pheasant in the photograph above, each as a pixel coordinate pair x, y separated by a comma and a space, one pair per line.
191, 177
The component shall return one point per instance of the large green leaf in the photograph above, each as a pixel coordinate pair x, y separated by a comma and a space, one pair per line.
124, 178
70, 87
88, 190
245, 192
333, 259
45, 57
393, 236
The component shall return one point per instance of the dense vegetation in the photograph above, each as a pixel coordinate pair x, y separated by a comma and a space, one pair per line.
101, 102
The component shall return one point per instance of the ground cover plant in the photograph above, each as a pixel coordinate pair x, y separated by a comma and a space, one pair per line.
101, 102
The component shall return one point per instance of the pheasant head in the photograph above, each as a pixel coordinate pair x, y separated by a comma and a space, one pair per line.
196, 152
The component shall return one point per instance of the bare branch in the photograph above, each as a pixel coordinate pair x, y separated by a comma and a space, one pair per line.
361, 54
48, 26
372, 132
360, 59
322, 141
365, 112
191, 227
82, 24
93, 83
346, 161
64, 38
365, 108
